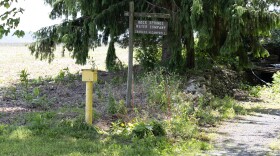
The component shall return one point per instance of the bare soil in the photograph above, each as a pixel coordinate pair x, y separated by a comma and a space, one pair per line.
69, 92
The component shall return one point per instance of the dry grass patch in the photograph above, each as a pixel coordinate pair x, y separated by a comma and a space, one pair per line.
16, 57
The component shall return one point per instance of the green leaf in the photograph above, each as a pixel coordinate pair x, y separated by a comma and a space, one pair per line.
19, 33
7, 5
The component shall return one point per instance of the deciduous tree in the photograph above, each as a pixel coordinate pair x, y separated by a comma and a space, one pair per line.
9, 18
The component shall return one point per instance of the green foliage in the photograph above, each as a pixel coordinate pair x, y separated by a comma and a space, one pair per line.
275, 36
223, 27
122, 107
160, 86
233, 26
112, 106
112, 61
142, 130
213, 109
11, 93
2, 129
254, 91
37, 100
48, 123
24, 78
276, 82
34, 97
203, 60
148, 57
276, 78
9, 18
60, 77
181, 127
65, 75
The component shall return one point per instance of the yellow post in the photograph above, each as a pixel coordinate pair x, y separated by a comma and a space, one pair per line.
89, 98
89, 76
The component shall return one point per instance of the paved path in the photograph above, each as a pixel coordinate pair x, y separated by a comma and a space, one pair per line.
248, 135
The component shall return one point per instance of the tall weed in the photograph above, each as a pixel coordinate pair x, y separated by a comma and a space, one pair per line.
160, 86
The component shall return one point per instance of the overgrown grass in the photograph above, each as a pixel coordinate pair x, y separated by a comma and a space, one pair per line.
268, 97
172, 126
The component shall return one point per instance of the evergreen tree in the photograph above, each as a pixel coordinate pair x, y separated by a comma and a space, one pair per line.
222, 26
229, 26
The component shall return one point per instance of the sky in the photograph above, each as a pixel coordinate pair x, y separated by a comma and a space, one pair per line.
35, 16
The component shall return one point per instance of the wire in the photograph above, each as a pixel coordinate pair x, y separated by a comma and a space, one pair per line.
263, 81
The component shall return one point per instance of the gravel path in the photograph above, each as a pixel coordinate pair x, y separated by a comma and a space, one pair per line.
248, 135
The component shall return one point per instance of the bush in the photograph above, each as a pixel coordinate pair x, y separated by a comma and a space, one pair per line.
112, 105
148, 57
142, 130
183, 128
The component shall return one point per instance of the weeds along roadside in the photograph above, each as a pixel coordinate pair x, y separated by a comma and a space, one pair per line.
166, 117
34, 93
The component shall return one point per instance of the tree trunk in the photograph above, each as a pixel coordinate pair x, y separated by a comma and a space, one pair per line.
190, 53
166, 53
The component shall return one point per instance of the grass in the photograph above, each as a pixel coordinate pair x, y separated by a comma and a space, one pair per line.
59, 128
163, 121
62, 131
47, 133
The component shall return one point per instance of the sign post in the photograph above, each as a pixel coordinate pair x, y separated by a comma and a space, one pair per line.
141, 27
130, 55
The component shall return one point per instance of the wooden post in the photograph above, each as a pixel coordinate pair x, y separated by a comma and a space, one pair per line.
130, 55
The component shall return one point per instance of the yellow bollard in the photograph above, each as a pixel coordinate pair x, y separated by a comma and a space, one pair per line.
89, 76
89, 99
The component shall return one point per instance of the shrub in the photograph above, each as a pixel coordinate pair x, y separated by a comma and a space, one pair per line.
183, 128
112, 106
122, 108
158, 129
142, 130
276, 82
148, 57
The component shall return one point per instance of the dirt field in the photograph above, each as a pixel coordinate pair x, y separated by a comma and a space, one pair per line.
17, 57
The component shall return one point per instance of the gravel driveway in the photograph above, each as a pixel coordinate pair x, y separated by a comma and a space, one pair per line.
248, 135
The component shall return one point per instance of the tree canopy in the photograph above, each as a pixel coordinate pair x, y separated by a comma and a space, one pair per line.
10, 19
222, 27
